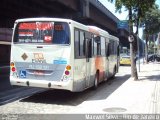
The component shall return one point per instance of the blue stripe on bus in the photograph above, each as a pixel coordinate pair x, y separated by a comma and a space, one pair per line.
59, 62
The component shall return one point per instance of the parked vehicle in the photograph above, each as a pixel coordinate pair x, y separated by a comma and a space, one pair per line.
125, 60
154, 57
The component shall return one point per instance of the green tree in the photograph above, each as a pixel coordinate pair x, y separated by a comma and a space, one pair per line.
136, 11
151, 23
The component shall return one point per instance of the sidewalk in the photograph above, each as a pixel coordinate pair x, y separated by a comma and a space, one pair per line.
132, 97
141, 96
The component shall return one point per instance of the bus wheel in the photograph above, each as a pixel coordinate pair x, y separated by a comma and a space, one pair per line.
96, 81
114, 72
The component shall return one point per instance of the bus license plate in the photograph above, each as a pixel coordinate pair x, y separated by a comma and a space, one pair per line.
39, 72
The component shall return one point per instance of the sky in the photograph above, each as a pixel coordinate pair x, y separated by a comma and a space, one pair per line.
124, 14
121, 16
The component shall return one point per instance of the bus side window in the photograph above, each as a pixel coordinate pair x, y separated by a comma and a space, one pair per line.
88, 42
99, 47
92, 42
76, 43
90, 49
94, 46
97, 43
111, 48
82, 43
107, 49
102, 46
118, 51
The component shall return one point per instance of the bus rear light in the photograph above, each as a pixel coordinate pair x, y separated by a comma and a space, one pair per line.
12, 64
68, 67
13, 69
66, 72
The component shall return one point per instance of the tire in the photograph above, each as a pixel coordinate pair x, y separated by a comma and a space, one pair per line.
114, 72
158, 59
96, 81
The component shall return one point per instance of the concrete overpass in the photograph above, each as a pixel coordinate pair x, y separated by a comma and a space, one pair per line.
89, 12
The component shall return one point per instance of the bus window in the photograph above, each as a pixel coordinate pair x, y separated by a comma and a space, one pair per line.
111, 47
61, 33
92, 44
102, 46
76, 37
82, 44
118, 53
42, 32
107, 49
95, 44
90, 48
98, 41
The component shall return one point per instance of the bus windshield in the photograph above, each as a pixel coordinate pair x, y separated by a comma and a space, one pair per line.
42, 32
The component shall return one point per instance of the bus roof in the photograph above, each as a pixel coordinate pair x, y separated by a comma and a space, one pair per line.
43, 19
99, 30
115, 38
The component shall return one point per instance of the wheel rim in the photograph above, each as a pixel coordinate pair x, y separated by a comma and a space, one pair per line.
96, 82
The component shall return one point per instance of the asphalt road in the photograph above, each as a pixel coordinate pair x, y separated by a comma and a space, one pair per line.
4, 79
57, 101
9, 93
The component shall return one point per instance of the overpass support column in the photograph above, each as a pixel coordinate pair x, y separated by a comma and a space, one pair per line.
85, 8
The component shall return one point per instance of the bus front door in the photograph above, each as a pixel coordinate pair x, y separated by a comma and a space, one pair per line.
88, 61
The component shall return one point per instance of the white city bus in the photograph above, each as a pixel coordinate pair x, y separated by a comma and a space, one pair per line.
61, 54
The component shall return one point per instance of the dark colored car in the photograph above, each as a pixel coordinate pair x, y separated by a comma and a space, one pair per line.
154, 57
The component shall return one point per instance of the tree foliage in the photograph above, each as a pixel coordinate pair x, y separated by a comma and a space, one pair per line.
136, 11
151, 21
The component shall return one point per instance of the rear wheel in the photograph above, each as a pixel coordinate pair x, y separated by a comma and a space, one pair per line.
114, 72
96, 81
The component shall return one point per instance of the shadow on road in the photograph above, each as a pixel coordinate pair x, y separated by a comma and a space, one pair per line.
61, 97
4, 78
151, 78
